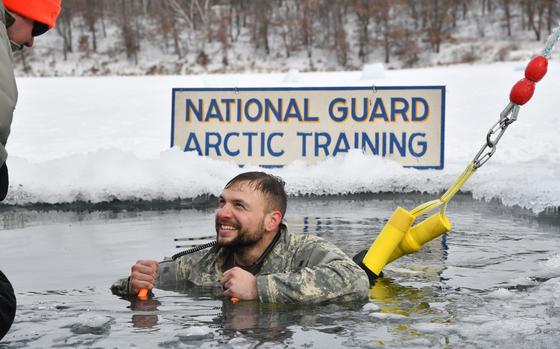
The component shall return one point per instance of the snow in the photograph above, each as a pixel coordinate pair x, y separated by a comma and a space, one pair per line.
477, 37
101, 138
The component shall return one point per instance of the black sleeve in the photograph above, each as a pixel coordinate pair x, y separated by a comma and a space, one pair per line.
7, 305
4, 181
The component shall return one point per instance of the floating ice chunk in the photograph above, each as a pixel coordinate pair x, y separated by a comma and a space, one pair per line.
87, 324
438, 305
388, 316
370, 307
555, 293
552, 262
501, 293
549, 268
523, 281
404, 271
431, 328
240, 342
196, 331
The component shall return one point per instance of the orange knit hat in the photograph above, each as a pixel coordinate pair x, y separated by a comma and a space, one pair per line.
42, 11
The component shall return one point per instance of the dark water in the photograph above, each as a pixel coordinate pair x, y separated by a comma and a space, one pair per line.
493, 281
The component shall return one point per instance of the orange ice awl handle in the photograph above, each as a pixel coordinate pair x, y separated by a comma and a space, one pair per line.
143, 294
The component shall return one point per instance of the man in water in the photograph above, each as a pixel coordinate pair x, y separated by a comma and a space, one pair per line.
256, 258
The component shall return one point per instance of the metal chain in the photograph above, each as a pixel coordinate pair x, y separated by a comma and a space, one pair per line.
507, 117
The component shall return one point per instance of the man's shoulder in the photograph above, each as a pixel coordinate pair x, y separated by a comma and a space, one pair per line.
308, 240
312, 249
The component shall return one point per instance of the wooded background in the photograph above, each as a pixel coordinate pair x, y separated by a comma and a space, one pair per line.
351, 30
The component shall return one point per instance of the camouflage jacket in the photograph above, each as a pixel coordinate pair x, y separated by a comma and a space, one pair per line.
299, 269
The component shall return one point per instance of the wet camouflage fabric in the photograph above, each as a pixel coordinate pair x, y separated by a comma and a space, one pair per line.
299, 269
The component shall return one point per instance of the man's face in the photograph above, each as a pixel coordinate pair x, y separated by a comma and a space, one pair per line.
240, 217
21, 32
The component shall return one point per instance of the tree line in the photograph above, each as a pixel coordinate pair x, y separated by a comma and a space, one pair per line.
399, 29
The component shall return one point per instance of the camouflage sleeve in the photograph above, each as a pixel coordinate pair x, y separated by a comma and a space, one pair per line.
121, 287
167, 279
198, 267
184, 266
326, 274
167, 275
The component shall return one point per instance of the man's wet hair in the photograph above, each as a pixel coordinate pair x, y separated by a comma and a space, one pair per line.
271, 186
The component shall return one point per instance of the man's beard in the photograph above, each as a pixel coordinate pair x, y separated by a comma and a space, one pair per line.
244, 237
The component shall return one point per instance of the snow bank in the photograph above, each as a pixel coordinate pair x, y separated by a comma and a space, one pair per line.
98, 139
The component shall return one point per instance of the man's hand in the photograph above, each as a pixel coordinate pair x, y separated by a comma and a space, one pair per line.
143, 275
240, 284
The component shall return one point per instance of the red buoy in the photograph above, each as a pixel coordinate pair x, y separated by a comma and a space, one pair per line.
536, 69
522, 91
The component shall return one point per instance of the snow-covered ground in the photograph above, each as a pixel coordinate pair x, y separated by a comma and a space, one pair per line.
100, 138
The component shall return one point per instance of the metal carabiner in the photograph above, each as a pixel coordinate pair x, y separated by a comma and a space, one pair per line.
512, 109
502, 128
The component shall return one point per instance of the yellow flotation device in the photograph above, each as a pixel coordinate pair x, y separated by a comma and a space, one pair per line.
399, 237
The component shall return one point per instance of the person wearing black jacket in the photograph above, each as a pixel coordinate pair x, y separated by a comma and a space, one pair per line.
7, 305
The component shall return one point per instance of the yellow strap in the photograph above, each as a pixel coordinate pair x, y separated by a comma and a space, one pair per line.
463, 178
447, 196
426, 207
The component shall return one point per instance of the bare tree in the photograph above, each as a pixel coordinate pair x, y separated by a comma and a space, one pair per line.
362, 9
341, 45
551, 13
287, 26
506, 4
385, 14
128, 34
90, 15
437, 29
261, 23
535, 17
406, 36
308, 13
221, 22
64, 28
168, 26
